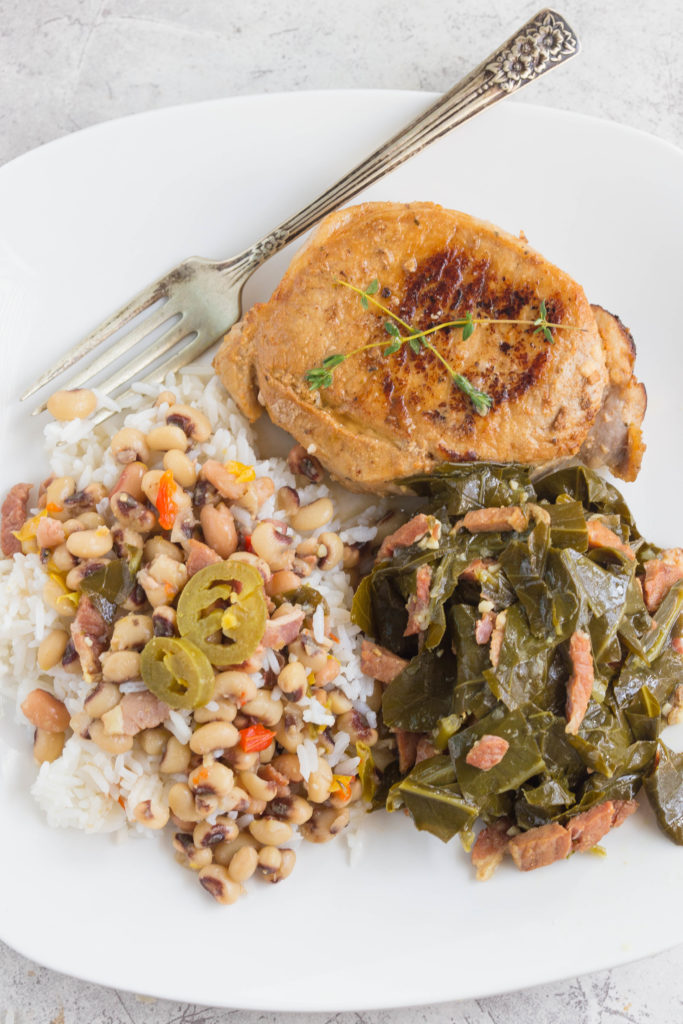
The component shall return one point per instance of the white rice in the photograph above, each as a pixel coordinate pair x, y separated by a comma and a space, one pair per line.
86, 788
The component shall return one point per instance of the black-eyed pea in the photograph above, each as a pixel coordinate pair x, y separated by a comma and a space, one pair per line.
101, 699
208, 779
45, 711
163, 439
267, 755
260, 789
264, 708
270, 831
325, 824
192, 422
241, 760
293, 680
224, 852
58, 490
272, 543
47, 746
182, 467
74, 404
236, 686
312, 516
357, 727
129, 445
319, 782
236, 800
187, 854
150, 484
216, 711
217, 881
218, 526
164, 621
281, 582
90, 543
338, 703
269, 860
182, 803
176, 758
287, 862
223, 830
243, 863
51, 649
329, 672
257, 493
151, 813
255, 807
132, 513
155, 546
131, 632
120, 666
289, 765
130, 480
55, 594
310, 654
111, 743
90, 520
213, 736
290, 729
287, 500
334, 550
292, 808
62, 559
153, 741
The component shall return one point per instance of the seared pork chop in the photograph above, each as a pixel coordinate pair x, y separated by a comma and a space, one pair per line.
388, 416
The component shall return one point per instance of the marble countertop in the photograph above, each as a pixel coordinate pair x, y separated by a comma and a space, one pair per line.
67, 64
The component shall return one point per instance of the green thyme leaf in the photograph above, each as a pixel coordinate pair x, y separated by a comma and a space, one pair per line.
415, 344
479, 399
364, 301
318, 378
391, 328
329, 362
373, 287
468, 327
393, 347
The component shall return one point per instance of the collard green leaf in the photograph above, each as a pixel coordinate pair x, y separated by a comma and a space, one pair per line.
521, 675
521, 761
664, 788
432, 796
661, 677
568, 524
422, 693
462, 487
586, 486
603, 739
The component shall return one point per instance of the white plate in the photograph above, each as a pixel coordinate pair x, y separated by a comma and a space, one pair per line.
88, 220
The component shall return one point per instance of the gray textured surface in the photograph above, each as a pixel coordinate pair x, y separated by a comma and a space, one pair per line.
66, 64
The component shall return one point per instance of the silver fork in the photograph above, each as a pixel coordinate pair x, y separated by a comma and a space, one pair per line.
199, 300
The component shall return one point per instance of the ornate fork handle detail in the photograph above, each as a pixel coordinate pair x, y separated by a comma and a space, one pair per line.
542, 43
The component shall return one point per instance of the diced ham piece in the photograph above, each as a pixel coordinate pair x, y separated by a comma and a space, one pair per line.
13, 515
580, 685
142, 711
588, 828
425, 749
487, 752
484, 627
623, 809
50, 533
200, 556
417, 605
540, 846
281, 631
407, 749
471, 572
490, 520
600, 536
677, 644
497, 638
90, 635
410, 533
379, 663
660, 576
489, 848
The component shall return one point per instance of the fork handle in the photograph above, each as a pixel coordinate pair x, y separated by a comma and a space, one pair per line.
544, 42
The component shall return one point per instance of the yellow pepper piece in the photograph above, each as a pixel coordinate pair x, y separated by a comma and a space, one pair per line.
245, 474
30, 527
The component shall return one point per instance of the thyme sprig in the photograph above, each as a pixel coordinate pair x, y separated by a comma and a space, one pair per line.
322, 376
